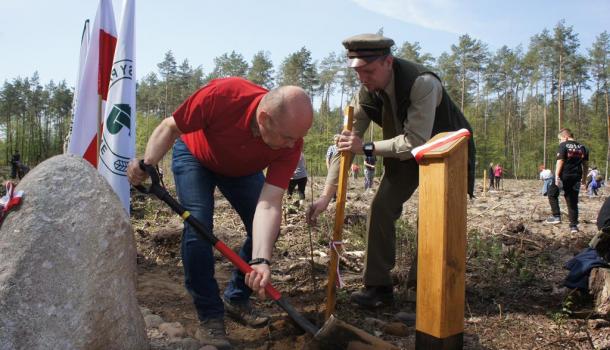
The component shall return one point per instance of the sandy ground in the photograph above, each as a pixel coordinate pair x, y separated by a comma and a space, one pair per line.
514, 293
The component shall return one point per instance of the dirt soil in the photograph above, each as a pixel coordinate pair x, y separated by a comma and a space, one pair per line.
514, 293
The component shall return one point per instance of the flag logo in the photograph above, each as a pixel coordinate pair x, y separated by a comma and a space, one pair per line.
112, 160
117, 145
119, 117
122, 69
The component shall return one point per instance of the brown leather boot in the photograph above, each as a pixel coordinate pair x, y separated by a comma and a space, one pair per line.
245, 314
373, 296
212, 332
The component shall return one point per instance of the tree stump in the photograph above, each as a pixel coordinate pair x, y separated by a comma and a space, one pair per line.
599, 287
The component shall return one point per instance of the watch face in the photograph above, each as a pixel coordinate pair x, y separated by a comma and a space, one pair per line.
368, 147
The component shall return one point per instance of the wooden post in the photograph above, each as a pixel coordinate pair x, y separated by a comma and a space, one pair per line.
484, 181
346, 159
442, 247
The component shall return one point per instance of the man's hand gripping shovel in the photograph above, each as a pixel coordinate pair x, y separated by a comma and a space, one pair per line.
334, 333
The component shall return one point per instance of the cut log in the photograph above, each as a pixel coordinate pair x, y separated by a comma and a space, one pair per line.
599, 287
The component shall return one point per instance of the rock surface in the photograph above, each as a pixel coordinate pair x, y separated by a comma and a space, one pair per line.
68, 266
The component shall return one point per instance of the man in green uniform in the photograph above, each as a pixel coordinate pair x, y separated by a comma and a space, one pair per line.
410, 104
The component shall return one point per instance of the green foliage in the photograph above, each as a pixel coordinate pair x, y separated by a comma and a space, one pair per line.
510, 97
470, 56
145, 124
229, 65
411, 51
299, 69
34, 119
261, 71
568, 305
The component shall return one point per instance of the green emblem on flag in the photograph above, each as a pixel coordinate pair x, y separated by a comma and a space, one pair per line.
119, 117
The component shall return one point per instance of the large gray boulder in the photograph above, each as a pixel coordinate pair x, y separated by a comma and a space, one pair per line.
68, 264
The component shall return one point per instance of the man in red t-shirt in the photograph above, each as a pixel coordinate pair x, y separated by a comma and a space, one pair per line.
223, 136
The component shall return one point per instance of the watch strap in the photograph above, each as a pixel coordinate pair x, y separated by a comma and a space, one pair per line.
259, 261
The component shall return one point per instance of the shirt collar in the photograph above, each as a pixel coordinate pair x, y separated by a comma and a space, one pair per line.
389, 89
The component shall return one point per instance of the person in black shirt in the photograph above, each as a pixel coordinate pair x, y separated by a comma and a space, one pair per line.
369, 171
570, 172
15, 160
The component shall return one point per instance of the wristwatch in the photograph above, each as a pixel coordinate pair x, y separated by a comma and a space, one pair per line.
258, 261
368, 149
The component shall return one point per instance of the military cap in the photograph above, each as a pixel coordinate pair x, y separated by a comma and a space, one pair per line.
365, 48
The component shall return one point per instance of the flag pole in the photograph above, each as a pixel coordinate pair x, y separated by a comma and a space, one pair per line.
95, 75
99, 128
84, 46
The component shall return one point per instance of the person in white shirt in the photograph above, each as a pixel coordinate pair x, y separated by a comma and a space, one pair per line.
546, 175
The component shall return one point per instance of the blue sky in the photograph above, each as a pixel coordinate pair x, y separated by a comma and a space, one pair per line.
44, 35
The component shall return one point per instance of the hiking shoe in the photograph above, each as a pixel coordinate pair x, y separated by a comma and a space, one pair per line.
574, 229
212, 332
373, 296
553, 220
245, 314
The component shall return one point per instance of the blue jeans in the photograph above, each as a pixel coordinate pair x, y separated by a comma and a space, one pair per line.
369, 175
195, 185
546, 184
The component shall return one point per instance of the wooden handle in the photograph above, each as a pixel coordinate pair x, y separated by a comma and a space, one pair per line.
346, 159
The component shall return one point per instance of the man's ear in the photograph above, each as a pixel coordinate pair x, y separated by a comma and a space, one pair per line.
262, 116
389, 59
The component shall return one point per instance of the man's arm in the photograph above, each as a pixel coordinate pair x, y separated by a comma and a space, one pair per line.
426, 96
361, 124
159, 143
558, 169
265, 229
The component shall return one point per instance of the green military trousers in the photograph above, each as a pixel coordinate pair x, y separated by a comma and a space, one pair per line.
399, 181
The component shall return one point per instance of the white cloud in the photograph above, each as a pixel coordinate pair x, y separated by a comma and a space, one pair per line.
445, 15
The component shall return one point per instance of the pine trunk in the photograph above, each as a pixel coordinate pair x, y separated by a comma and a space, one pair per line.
559, 94
545, 127
608, 128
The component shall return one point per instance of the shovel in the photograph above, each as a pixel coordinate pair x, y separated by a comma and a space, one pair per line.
334, 334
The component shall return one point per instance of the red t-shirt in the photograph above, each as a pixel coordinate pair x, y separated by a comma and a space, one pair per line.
215, 121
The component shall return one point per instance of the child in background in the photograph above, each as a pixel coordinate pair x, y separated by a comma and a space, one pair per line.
546, 175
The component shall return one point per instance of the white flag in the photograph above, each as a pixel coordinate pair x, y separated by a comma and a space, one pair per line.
93, 87
119, 135
84, 46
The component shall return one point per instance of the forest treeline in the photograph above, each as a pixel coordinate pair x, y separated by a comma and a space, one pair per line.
516, 99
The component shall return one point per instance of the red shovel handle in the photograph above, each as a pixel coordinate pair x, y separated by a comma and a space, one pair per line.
244, 267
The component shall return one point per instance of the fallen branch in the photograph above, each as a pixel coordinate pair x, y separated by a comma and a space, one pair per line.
523, 239
483, 212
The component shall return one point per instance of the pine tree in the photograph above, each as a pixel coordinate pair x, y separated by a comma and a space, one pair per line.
261, 70
229, 65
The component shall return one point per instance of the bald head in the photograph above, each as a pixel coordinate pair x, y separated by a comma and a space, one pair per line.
284, 116
288, 102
